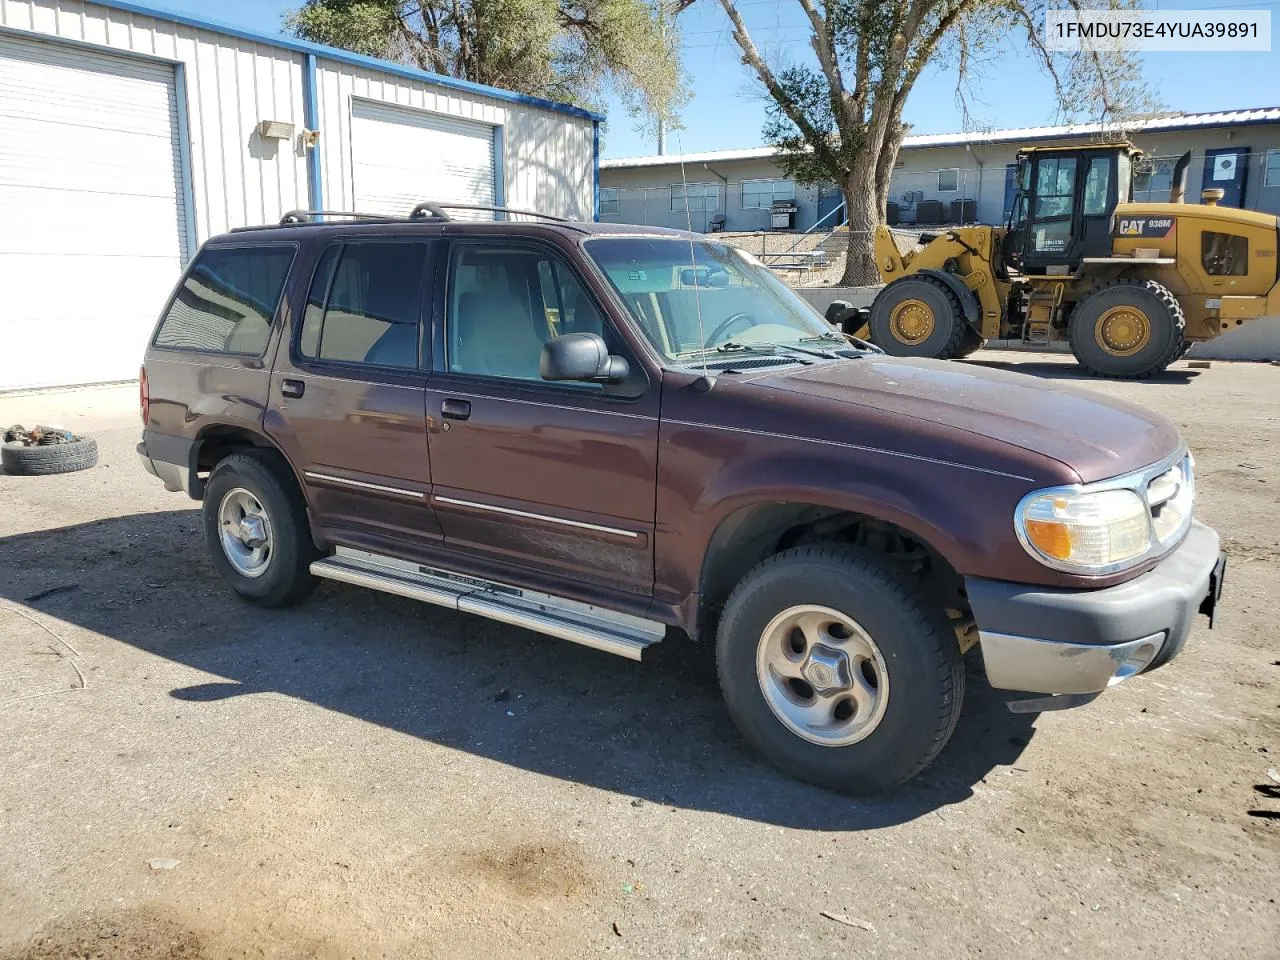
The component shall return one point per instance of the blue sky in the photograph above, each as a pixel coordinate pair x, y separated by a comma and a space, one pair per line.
727, 112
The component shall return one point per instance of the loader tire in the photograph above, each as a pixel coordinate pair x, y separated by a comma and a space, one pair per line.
971, 344
1128, 329
918, 317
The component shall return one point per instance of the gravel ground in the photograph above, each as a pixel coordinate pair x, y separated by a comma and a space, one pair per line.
364, 776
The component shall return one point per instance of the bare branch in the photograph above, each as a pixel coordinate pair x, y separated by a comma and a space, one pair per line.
825, 48
751, 57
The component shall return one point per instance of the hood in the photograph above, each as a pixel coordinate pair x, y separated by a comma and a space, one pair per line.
1096, 436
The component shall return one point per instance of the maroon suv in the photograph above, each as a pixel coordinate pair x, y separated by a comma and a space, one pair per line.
611, 434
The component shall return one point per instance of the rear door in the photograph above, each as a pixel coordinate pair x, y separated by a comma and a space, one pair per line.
347, 395
555, 478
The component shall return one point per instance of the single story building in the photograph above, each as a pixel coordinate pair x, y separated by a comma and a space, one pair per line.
129, 135
940, 178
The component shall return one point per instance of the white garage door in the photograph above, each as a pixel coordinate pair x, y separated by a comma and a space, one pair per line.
402, 157
92, 232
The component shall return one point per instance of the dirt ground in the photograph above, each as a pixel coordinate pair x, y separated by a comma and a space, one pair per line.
365, 776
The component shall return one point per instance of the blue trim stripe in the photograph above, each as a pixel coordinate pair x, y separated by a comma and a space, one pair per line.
595, 171
311, 117
346, 56
184, 158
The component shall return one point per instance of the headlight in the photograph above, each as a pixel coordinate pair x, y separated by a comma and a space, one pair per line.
1087, 529
1105, 527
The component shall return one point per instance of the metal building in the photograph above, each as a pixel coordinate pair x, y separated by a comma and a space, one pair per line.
129, 135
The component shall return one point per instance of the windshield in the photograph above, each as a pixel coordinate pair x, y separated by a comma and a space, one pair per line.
691, 298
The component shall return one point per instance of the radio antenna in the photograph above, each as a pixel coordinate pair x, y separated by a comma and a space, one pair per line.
693, 265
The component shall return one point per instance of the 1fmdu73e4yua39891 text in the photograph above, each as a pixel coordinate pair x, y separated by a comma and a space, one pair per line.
616, 435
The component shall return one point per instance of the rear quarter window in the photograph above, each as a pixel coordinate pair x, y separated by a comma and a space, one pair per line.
228, 300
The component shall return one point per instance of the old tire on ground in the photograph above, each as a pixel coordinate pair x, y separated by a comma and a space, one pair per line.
1129, 328
256, 529
839, 616
48, 459
918, 317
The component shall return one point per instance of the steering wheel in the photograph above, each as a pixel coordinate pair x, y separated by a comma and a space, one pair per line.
726, 324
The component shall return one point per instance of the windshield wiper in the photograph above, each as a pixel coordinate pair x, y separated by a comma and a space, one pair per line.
828, 337
862, 346
733, 346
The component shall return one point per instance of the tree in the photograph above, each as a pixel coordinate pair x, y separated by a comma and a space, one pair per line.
566, 50
841, 122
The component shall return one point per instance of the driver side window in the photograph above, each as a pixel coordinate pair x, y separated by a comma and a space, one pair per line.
505, 304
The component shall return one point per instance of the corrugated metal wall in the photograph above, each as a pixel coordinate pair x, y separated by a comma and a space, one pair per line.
236, 178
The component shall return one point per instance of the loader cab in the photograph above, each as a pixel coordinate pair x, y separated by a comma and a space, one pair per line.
1063, 207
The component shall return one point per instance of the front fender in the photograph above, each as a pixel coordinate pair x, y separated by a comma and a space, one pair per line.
707, 474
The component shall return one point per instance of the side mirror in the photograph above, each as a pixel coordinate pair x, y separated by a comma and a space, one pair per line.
581, 357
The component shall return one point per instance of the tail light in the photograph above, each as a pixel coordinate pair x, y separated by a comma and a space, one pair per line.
144, 396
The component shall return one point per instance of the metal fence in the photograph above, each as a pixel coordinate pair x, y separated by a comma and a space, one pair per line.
927, 197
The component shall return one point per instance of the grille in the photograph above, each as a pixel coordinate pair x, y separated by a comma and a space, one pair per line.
1169, 499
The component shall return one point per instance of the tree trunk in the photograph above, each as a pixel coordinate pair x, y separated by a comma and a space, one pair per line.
885, 159
863, 208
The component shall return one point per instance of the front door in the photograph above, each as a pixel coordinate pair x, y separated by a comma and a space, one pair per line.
1071, 198
556, 478
347, 396
1227, 169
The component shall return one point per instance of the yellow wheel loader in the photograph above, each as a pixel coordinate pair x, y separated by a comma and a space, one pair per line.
1130, 286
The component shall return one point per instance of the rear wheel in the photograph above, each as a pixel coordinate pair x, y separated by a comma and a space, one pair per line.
918, 317
256, 529
837, 670
1129, 328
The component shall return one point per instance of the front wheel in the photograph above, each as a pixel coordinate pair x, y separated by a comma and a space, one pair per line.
918, 317
837, 670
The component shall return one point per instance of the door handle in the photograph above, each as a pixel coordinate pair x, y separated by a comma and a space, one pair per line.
452, 409
292, 388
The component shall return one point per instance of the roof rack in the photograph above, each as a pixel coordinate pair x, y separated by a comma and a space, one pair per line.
427, 210
308, 216
437, 210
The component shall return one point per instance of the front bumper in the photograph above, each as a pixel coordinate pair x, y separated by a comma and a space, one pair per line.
1055, 641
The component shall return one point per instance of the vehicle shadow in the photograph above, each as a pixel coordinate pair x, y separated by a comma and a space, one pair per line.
657, 731
1068, 369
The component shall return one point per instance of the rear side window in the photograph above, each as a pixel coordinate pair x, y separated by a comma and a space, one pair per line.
364, 305
228, 300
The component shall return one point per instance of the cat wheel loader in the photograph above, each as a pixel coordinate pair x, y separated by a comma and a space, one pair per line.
1129, 285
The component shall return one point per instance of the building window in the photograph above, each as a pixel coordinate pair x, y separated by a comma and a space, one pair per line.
760, 194
608, 201
1153, 178
949, 180
701, 197
1271, 178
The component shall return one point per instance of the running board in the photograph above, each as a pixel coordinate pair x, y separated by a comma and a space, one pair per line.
591, 626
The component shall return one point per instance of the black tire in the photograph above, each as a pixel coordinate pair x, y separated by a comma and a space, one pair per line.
971, 344
1164, 316
949, 324
35, 461
287, 576
922, 662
